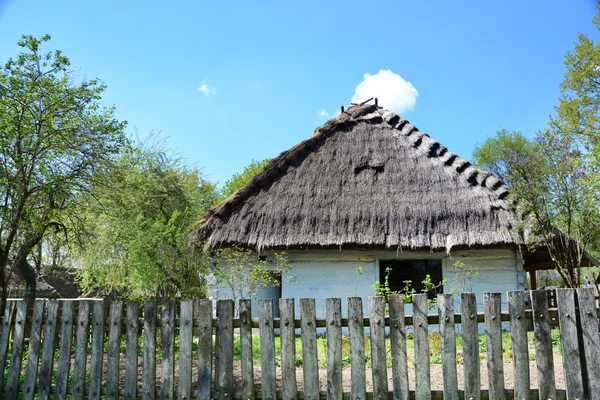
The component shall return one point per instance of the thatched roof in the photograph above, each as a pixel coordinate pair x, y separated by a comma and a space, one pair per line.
366, 178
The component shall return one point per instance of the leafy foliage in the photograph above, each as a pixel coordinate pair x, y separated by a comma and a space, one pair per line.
238, 181
139, 215
54, 135
244, 273
429, 287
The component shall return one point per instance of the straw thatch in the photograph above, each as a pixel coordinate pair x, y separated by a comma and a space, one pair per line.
367, 178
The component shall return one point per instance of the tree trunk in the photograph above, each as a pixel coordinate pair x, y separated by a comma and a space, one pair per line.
29, 275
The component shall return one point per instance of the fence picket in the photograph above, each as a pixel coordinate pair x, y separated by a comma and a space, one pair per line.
543, 344
205, 330
288, 349
356, 332
167, 339
131, 350
267, 349
186, 329
421, 328
81, 344
96, 358
224, 366
64, 356
333, 308
470, 338
14, 370
149, 351
518, 329
310, 364
9, 311
378, 352
113, 352
247, 364
448, 342
565, 299
398, 345
591, 339
33, 353
493, 344
48, 351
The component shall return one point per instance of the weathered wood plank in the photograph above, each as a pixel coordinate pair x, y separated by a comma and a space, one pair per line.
378, 351
247, 363
7, 326
398, 345
493, 344
167, 339
149, 351
224, 373
333, 307
186, 329
470, 331
113, 351
448, 342
267, 349
81, 345
591, 339
356, 332
96, 358
543, 344
421, 327
204, 334
518, 329
310, 363
131, 350
288, 349
565, 299
47, 361
64, 356
33, 353
14, 370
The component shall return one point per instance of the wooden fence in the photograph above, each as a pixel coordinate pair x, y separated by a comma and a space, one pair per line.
110, 350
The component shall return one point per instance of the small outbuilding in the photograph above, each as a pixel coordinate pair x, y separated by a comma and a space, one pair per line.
369, 190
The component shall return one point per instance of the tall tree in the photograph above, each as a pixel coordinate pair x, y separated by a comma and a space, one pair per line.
54, 135
139, 215
237, 181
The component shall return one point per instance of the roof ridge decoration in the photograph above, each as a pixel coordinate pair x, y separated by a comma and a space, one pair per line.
374, 116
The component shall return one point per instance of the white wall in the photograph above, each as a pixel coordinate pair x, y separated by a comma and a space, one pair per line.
321, 274
328, 273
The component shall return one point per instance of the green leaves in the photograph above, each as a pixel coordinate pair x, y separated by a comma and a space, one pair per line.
54, 135
139, 214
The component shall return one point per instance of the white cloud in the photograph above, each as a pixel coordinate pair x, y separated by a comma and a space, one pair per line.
323, 113
207, 90
391, 90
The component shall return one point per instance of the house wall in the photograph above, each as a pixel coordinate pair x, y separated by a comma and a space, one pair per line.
322, 274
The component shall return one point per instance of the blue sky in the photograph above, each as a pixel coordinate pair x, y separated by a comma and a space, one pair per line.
227, 82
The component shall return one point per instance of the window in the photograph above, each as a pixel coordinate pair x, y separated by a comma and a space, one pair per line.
414, 271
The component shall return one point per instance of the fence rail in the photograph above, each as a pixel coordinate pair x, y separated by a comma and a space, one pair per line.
165, 350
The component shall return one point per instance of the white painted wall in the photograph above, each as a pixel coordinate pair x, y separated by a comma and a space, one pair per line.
328, 273
323, 274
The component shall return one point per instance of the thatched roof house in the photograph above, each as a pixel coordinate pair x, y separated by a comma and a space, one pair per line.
365, 178
369, 190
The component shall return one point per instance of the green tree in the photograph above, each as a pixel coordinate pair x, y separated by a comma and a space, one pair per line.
138, 217
54, 135
244, 273
554, 187
238, 181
